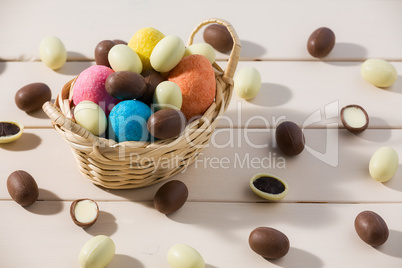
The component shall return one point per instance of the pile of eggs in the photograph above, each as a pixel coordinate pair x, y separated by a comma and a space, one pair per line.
148, 88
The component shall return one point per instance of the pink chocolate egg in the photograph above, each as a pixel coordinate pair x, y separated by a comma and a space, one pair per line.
90, 86
196, 78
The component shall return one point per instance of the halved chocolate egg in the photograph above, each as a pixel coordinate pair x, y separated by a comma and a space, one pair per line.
268, 186
354, 118
10, 131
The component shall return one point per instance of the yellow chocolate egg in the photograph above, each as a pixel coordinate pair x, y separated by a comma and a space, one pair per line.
143, 43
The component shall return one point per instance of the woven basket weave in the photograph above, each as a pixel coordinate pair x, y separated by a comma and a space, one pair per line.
137, 164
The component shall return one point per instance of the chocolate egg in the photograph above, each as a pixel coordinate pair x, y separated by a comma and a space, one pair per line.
184, 256
383, 164
84, 212
170, 197
97, 252
201, 49
167, 95
196, 79
269, 242
218, 36
10, 131
166, 123
371, 228
101, 52
379, 72
321, 42
31, 97
119, 41
52, 52
167, 53
22, 188
247, 82
125, 85
123, 58
354, 118
152, 79
268, 186
290, 138
90, 115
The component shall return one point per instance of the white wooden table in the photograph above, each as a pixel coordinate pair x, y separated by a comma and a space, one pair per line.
329, 182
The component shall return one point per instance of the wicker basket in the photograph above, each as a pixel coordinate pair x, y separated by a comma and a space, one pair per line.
137, 164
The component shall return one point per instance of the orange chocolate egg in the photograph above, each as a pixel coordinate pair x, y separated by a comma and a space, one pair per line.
196, 78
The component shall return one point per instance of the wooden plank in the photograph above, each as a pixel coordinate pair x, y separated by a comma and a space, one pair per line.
268, 29
334, 168
290, 91
320, 235
312, 95
14, 75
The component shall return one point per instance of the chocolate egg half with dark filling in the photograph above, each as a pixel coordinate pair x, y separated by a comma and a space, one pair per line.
268, 186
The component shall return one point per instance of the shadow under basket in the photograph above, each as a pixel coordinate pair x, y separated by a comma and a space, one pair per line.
132, 164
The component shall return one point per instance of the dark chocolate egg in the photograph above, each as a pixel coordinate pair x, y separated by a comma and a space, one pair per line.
321, 42
125, 85
290, 138
170, 197
32, 96
102, 51
269, 242
371, 228
166, 123
218, 36
152, 80
22, 188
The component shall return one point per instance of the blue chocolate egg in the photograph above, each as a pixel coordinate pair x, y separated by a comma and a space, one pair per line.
128, 121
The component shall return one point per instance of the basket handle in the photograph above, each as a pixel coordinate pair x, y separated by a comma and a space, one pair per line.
61, 120
229, 72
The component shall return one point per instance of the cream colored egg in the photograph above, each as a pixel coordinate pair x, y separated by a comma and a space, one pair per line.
201, 49
247, 83
167, 95
379, 72
384, 164
98, 252
184, 256
90, 116
52, 52
167, 53
123, 58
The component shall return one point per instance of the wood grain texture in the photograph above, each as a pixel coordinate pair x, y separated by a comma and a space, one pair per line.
269, 29
329, 182
308, 93
320, 235
332, 168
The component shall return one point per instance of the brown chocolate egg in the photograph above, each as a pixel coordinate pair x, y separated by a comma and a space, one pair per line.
125, 85
152, 80
22, 188
119, 41
170, 197
102, 51
32, 96
166, 123
290, 138
354, 118
371, 228
269, 242
84, 212
321, 42
218, 36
